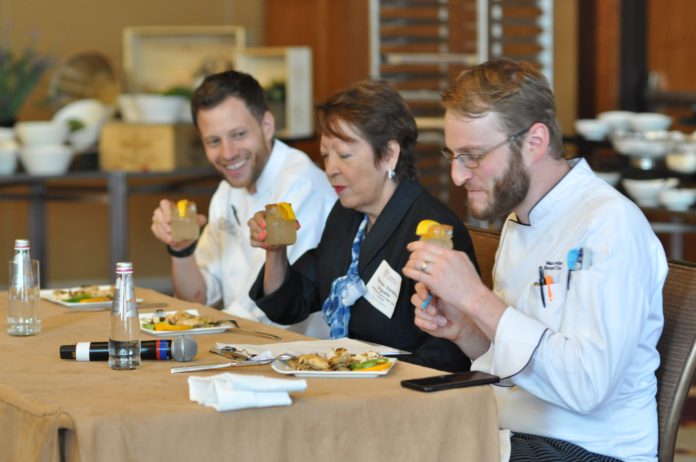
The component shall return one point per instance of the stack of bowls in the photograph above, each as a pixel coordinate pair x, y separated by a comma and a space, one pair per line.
679, 199
592, 129
8, 151
646, 192
43, 151
617, 120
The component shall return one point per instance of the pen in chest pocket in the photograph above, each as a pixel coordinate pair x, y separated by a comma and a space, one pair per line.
542, 281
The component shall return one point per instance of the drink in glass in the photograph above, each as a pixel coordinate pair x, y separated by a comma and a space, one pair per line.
436, 233
280, 224
185, 221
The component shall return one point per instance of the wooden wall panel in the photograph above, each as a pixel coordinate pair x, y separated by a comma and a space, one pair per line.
337, 31
671, 39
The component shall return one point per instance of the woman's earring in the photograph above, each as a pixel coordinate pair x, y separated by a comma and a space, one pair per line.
391, 174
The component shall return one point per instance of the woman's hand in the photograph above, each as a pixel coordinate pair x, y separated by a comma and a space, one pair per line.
276, 257
258, 234
257, 230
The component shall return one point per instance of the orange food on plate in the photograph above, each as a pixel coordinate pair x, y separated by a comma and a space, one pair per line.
166, 326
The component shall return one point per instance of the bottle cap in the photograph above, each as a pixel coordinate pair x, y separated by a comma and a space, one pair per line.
22, 244
124, 267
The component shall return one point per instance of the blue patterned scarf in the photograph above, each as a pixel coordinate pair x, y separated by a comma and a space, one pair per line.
345, 290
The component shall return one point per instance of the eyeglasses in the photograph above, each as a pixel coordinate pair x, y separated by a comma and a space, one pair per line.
472, 161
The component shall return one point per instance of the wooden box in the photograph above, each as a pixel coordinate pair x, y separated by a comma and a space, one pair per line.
149, 147
159, 58
293, 67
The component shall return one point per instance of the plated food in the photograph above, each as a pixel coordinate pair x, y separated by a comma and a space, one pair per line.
85, 294
88, 297
338, 364
181, 322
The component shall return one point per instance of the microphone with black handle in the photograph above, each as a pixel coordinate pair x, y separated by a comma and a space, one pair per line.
183, 349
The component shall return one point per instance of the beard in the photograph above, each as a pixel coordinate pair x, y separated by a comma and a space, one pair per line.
508, 192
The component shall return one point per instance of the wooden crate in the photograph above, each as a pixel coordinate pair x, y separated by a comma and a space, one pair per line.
158, 58
293, 66
149, 147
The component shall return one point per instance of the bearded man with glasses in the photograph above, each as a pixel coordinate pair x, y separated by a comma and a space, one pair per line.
572, 323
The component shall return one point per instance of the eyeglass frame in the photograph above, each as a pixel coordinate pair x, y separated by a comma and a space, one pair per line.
464, 157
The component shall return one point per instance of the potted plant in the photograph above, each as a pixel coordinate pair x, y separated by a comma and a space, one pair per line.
19, 74
275, 93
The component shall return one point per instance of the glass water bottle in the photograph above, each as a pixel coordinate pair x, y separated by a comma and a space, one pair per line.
124, 326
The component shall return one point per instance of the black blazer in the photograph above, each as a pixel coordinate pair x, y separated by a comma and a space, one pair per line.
308, 282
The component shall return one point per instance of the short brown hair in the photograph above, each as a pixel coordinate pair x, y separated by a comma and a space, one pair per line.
515, 90
379, 113
216, 88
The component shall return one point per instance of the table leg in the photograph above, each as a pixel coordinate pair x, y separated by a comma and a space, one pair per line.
118, 218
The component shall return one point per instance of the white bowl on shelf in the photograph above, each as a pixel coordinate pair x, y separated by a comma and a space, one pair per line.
677, 199
6, 134
52, 159
92, 114
617, 120
682, 162
651, 144
43, 132
8, 160
645, 192
650, 121
160, 109
592, 129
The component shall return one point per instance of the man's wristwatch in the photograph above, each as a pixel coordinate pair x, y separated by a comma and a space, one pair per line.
183, 253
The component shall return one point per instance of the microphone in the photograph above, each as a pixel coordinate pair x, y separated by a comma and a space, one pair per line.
183, 348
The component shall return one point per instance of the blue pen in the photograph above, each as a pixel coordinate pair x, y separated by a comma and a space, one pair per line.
425, 303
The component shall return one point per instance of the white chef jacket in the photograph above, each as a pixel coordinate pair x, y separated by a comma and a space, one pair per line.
582, 367
224, 255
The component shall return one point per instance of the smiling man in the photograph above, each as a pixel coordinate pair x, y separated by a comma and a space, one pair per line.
572, 323
231, 114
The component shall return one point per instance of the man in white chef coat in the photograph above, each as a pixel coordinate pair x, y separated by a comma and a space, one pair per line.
230, 112
572, 323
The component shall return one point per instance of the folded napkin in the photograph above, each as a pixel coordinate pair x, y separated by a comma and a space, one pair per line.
228, 392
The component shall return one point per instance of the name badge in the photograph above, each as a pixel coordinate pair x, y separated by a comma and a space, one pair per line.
383, 289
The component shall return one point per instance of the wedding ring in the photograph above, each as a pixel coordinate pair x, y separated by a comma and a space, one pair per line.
424, 267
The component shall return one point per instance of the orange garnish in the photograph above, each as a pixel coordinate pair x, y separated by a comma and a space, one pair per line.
182, 205
167, 326
288, 213
378, 367
424, 226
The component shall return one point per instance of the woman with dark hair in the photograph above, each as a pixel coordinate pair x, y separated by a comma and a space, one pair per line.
368, 135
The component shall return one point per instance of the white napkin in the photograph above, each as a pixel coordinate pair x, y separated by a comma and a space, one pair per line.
229, 392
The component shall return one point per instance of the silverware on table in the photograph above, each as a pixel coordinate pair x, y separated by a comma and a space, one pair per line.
248, 362
251, 332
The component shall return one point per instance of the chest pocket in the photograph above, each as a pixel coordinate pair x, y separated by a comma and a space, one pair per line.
547, 308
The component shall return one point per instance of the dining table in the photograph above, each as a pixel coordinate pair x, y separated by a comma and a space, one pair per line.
54, 409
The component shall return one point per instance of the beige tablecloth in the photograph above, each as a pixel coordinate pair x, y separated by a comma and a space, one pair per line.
89, 412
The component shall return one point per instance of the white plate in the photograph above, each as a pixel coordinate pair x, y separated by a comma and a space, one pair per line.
52, 296
282, 367
169, 333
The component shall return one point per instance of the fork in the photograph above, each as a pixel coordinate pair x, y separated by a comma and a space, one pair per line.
251, 332
248, 362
